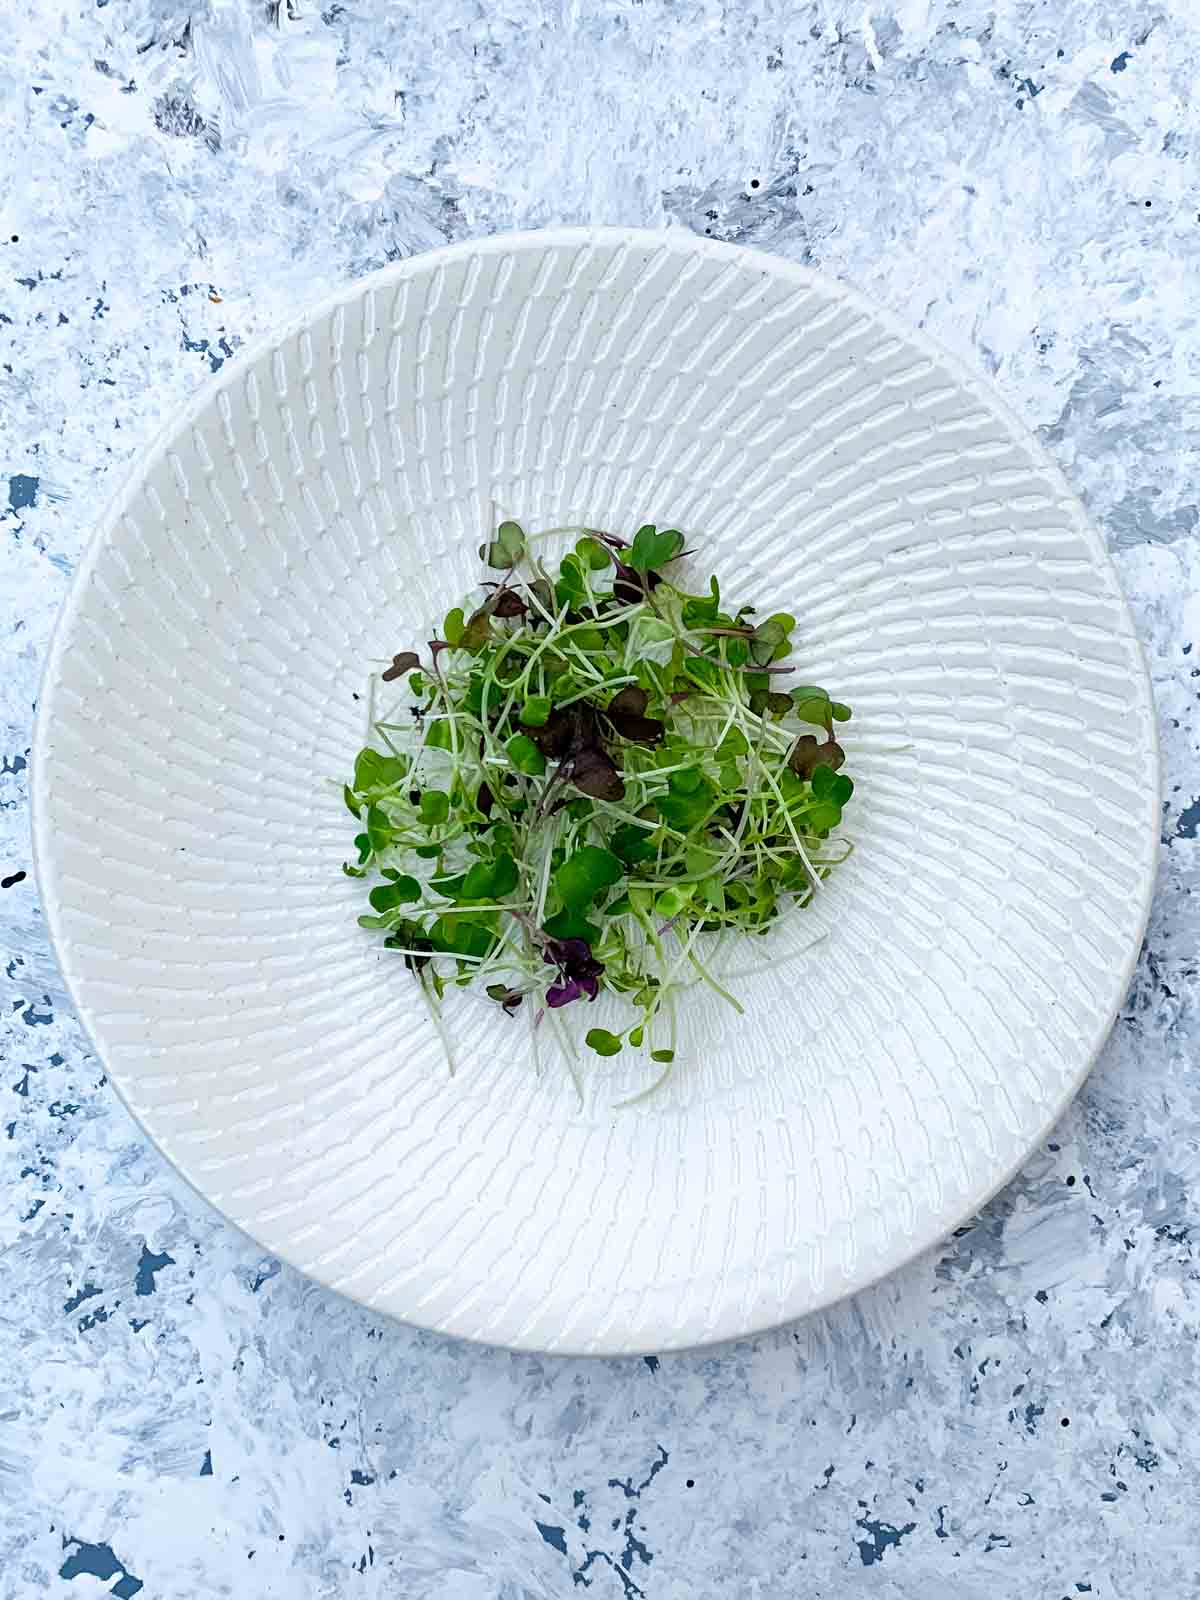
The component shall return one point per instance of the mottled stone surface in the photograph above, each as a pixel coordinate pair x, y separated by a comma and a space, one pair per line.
1013, 1415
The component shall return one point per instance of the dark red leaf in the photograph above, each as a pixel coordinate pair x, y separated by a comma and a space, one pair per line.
807, 755
630, 701
625, 713
638, 730
510, 999
593, 773
507, 603
630, 586
404, 662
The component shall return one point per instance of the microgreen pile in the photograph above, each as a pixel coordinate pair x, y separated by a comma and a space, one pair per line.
591, 769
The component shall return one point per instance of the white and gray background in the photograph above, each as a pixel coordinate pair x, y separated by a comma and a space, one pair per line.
1015, 1414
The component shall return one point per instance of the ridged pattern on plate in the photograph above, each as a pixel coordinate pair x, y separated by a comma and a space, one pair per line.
320, 507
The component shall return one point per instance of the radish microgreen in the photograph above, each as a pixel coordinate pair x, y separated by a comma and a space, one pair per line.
595, 767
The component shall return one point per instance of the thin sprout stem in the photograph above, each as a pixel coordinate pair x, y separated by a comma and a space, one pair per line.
776, 961
435, 1016
714, 985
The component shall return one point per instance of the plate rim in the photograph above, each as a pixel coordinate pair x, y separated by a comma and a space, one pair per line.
580, 236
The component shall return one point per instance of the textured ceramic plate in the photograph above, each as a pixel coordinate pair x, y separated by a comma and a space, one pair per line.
320, 506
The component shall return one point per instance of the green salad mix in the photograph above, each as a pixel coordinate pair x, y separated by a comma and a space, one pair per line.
595, 769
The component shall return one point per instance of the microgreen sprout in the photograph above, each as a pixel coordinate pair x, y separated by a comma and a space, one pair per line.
595, 768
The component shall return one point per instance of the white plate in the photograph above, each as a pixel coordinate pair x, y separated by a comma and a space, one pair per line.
318, 506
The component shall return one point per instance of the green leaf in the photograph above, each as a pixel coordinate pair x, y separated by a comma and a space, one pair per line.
379, 830
449, 884
477, 885
602, 1042
504, 876
685, 781
697, 610
387, 896
567, 924
632, 844
506, 549
453, 625
702, 671
712, 892
662, 1055
652, 550
525, 755
352, 804
374, 772
636, 1037
541, 599
439, 736
435, 806
585, 874
672, 901
362, 843
841, 713
490, 880
812, 704
535, 713
571, 589
653, 630
684, 811
592, 553
464, 936
477, 631
824, 780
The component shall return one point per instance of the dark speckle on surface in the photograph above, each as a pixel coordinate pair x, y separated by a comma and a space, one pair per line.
149, 1265
880, 1537
22, 491
555, 1537
98, 1561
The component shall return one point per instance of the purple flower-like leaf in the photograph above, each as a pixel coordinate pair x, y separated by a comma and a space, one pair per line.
579, 972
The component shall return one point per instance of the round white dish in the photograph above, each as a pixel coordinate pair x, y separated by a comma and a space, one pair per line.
316, 509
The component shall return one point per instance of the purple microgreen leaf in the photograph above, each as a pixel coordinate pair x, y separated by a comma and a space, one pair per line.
593, 773
808, 754
578, 971
510, 999
402, 663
